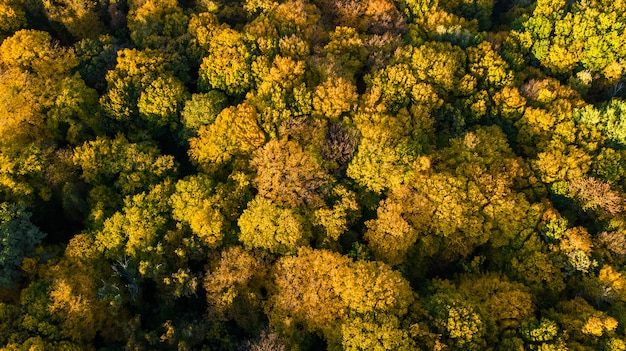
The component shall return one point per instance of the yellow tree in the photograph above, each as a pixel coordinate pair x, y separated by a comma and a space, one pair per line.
156, 24
12, 16
80, 18
227, 65
321, 290
288, 175
234, 284
41, 98
267, 226
235, 132
209, 208
281, 93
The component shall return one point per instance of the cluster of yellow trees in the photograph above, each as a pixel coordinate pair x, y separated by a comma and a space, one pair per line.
312, 174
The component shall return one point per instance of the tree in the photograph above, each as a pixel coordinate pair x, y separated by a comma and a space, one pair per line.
383, 161
156, 24
335, 220
381, 332
506, 303
281, 94
160, 103
210, 208
96, 57
80, 18
267, 226
234, 133
234, 284
137, 229
321, 289
130, 168
491, 71
399, 221
21, 175
461, 199
41, 99
333, 98
12, 17
458, 319
585, 36
203, 109
18, 239
543, 334
227, 66
143, 91
441, 65
289, 176
607, 119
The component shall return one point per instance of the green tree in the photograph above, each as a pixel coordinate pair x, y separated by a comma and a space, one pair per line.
18, 238
584, 36
143, 92
115, 168
137, 229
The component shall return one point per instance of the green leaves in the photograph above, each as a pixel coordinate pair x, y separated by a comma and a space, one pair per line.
18, 239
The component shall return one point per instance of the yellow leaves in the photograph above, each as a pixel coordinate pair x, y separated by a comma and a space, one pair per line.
267, 226
321, 289
160, 102
334, 97
507, 303
335, 220
390, 236
613, 280
81, 247
34, 51
285, 73
597, 327
287, 175
136, 65
560, 163
375, 333
233, 133
234, 277
378, 167
12, 16
296, 13
440, 64
227, 65
63, 298
487, 65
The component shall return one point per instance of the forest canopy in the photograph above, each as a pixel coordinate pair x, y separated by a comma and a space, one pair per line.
312, 175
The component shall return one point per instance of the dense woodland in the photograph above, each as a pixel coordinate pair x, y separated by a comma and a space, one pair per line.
312, 174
